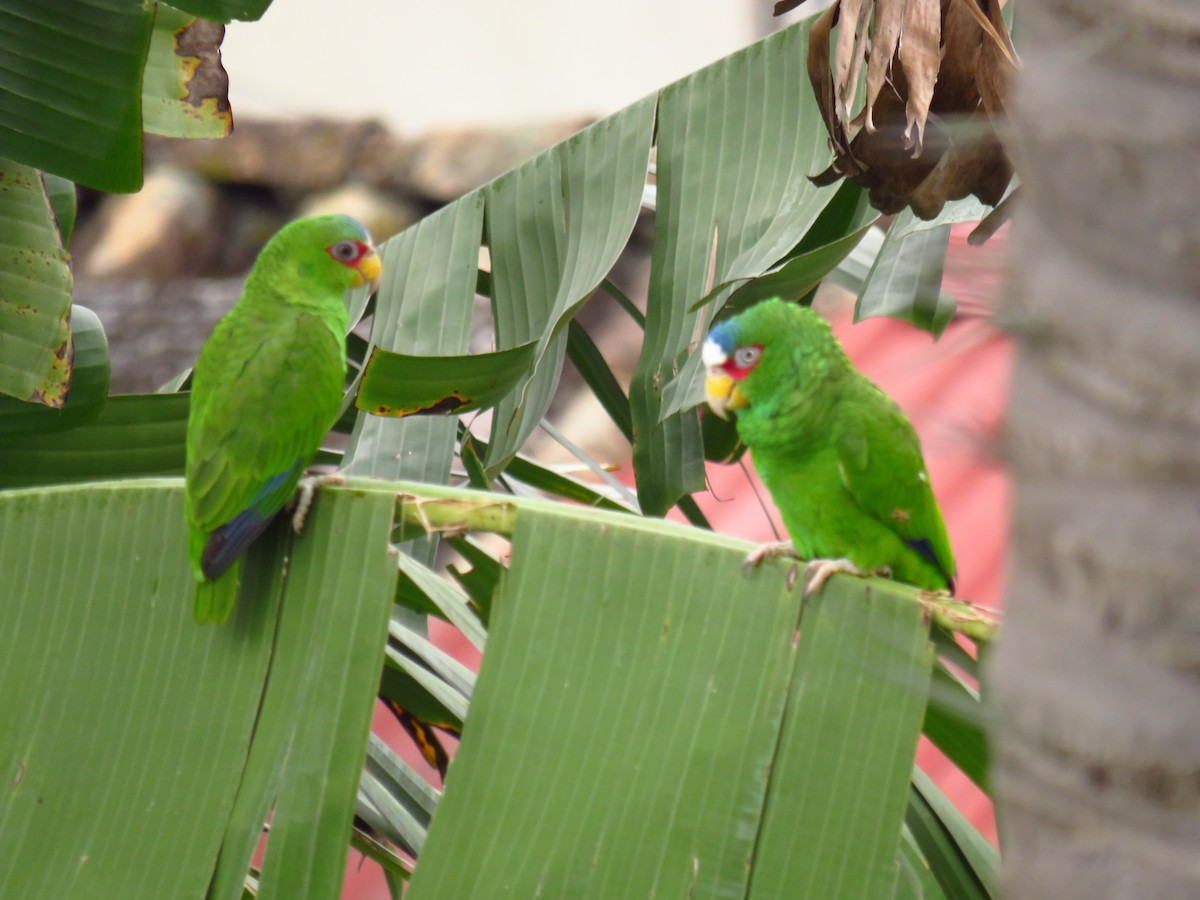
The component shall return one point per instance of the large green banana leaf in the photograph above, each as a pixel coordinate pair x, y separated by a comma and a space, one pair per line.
141, 752
657, 725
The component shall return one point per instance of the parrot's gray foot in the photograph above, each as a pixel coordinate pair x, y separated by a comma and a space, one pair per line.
304, 497
817, 572
941, 594
763, 552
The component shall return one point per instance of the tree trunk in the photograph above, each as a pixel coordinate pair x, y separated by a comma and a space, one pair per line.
1097, 680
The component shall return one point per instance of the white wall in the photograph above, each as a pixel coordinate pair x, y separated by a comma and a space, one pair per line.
422, 65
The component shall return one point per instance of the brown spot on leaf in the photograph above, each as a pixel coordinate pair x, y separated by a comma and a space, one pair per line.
448, 404
53, 392
207, 86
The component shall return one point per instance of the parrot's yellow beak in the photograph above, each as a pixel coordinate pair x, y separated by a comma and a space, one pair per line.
368, 271
723, 394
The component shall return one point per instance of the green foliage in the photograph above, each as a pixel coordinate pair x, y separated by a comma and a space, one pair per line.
93, 74
394, 384
133, 722
699, 750
28, 422
635, 681
48, 120
35, 312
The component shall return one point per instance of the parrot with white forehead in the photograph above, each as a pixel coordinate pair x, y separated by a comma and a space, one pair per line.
837, 455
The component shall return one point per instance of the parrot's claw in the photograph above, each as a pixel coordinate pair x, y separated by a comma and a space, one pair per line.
817, 572
942, 594
793, 576
763, 552
304, 497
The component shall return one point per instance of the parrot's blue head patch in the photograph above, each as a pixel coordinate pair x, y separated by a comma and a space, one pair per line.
724, 336
356, 226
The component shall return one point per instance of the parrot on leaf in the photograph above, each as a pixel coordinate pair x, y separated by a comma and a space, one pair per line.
266, 389
839, 458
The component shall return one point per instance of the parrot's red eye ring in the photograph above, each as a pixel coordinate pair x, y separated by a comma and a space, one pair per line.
347, 252
745, 358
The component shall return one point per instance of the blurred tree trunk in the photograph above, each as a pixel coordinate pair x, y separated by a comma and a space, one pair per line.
1097, 681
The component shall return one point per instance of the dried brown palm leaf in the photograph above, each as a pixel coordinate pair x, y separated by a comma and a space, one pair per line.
920, 57
821, 78
850, 54
957, 91
937, 74
889, 21
997, 63
992, 23
971, 164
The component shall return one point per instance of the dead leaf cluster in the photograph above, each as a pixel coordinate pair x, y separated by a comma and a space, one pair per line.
936, 78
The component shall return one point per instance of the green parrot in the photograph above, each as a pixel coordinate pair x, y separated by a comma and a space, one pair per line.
266, 389
841, 461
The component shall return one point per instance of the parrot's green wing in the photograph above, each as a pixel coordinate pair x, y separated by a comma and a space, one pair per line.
262, 420
275, 388
881, 466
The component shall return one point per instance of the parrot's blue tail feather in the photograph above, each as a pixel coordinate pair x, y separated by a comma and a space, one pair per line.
226, 543
925, 548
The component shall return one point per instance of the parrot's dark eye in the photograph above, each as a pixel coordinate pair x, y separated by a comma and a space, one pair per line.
345, 251
746, 357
